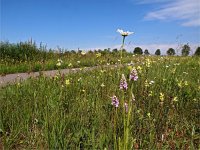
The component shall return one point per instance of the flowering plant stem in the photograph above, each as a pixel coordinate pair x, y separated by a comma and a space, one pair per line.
130, 105
122, 47
115, 128
125, 123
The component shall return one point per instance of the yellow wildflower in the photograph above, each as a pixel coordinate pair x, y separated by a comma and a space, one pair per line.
139, 68
161, 97
173, 70
58, 64
175, 99
102, 85
150, 93
148, 114
98, 55
148, 63
146, 84
102, 71
130, 68
185, 83
67, 82
180, 84
70, 64
56, 77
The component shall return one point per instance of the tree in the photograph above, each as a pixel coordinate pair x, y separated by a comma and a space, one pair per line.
115, 50
105, 51
197, 52
99, 51
138, 51
171, 51
73, 51
90, 52
185, 50
157, 52
146, 52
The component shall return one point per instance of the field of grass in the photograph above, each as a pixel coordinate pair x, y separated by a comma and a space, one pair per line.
72, 61
157, 110
27, 57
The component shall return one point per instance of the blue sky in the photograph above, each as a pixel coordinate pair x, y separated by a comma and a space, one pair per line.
92, 24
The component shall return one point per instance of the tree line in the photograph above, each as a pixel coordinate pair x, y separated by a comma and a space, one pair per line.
29, 51
185, 51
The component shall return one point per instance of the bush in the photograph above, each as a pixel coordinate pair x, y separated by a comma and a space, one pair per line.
23, 51
138, 51
171, 51
185, 50
157, 52
197, 52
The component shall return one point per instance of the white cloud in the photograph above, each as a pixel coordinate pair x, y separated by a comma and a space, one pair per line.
188, 11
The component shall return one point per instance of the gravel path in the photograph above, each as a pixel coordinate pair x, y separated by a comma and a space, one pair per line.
18, 77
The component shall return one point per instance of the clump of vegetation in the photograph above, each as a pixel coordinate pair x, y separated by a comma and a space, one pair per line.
138, 51
171, 52
197, 52
158, 52
22, 52
185, 50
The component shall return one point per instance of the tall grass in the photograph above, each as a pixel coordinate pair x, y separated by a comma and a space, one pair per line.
74, 111
27, 57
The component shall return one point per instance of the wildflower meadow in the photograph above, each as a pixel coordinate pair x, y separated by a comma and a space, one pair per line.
150, 103
99, 74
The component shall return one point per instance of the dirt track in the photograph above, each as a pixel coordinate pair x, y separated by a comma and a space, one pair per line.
12, 78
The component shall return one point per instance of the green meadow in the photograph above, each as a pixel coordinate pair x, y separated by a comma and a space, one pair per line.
28, 57
108, 75
103, 108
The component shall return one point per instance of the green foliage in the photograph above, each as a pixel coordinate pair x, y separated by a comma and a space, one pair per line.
197, 52
146, 52
31, 58
50, 113
21, 52
185, 50
171, 51
115, 50
157, 52
138, 51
